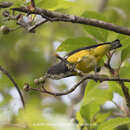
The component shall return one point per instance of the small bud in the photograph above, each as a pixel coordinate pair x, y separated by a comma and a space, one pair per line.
26, 87
4, 29
5, 13
41, 79
36, 81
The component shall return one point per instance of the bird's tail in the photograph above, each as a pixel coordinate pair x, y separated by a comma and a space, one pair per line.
115, 44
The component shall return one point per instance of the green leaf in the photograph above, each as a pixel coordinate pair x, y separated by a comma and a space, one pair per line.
125, 48
94, 93
124, 71
122, 37
113, 123
128, 86
64, 4
115, 15
115, 87
100, 117
54, 4
47, 4
89, 110
98, 33
75, 43
4, 81
90, 86
125, 42
79, 118
32, 116
125, 53
7, 98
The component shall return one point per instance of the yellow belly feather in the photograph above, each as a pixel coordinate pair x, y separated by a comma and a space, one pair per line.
88, 59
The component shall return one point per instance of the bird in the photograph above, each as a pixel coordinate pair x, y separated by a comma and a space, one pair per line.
86, 60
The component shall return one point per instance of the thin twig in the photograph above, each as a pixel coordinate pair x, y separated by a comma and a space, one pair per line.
100, 78
117, 105
121, 109
56, 16
56, 93
33, 3
15, 84
32, 28
93, 77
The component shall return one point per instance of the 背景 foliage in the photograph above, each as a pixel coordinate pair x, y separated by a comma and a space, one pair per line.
27, 56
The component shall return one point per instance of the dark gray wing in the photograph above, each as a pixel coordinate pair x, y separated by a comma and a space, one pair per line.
85, 48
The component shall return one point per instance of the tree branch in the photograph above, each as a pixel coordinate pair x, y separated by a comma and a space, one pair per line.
93, 77
27, 88
15, 84
56, 16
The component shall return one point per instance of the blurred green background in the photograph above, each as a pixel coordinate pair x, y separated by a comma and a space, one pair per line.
27, 56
